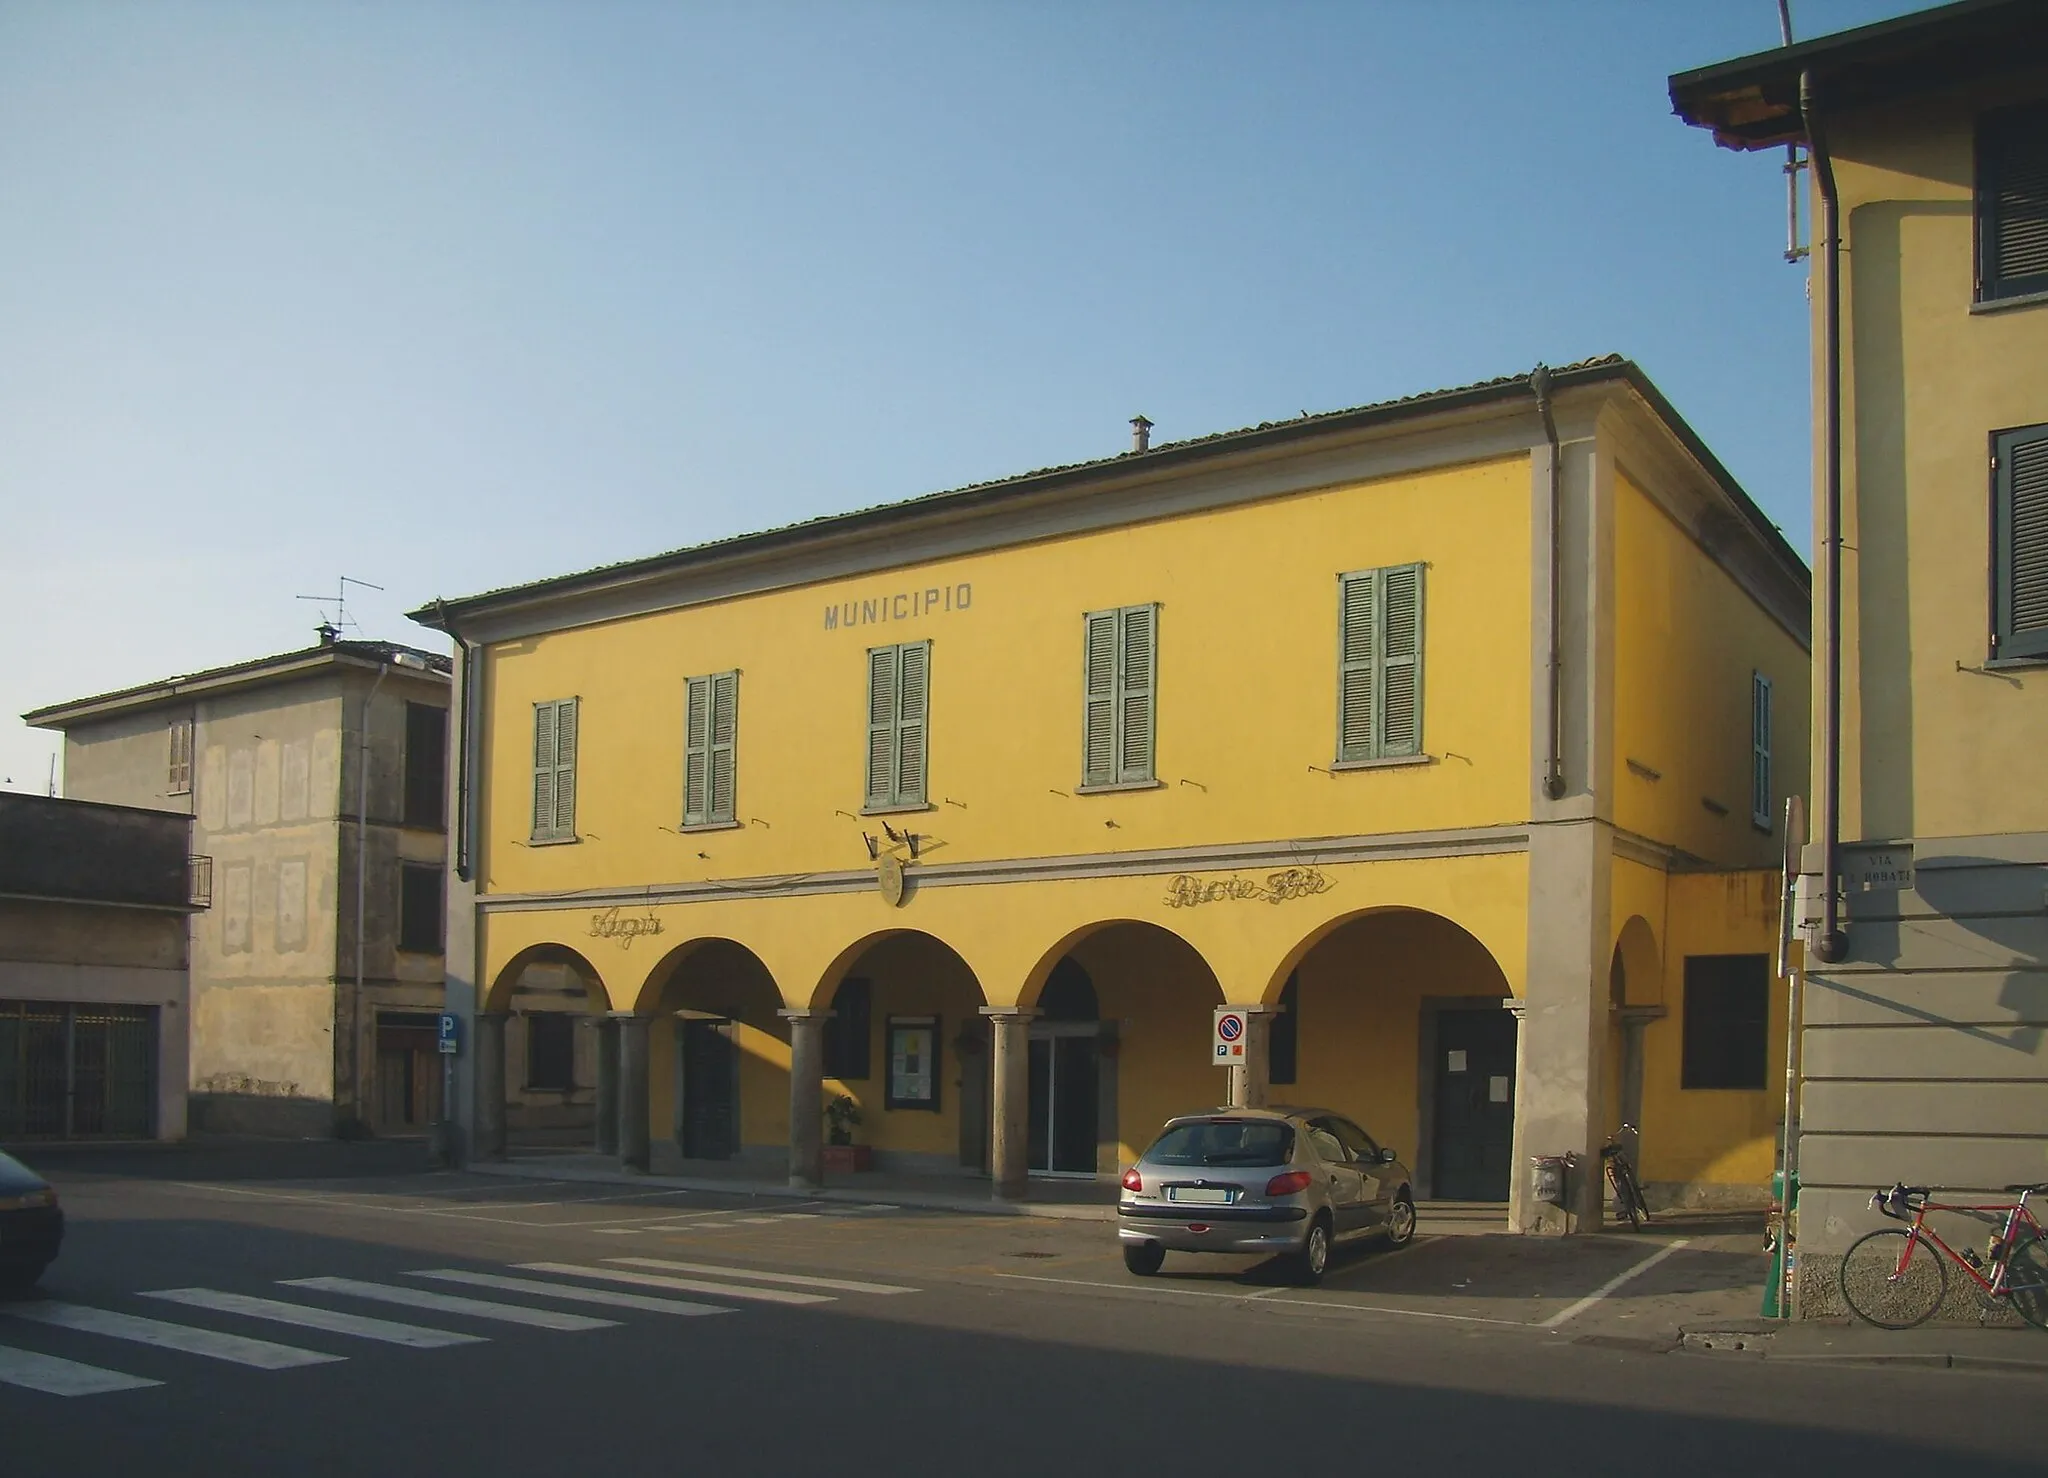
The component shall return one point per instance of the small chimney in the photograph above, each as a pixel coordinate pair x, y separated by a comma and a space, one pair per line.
328, 632
1141, 434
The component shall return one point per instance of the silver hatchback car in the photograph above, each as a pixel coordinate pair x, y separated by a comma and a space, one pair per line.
1292, 1181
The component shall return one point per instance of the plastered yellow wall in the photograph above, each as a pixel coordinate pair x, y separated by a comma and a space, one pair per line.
1247, 684
1928, 749
1720, 1136
1686, 640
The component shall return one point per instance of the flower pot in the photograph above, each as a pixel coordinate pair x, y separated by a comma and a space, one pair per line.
845, 1158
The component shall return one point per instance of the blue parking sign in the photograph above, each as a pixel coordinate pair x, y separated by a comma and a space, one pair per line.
451, 1034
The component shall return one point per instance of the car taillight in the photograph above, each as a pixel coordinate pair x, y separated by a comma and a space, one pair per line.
1292, 1183
1132, 1180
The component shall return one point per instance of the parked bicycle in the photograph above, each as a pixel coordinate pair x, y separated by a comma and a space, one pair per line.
1621, 1174
1896, 1277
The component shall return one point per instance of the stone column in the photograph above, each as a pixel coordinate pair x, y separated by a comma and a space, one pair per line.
806, 1096
1559, 1097
488, 1050
1010, 1079
632, 1079
1252, 1076
607, 1084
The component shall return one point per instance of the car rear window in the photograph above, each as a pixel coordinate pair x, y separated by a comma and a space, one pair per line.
1224, 1142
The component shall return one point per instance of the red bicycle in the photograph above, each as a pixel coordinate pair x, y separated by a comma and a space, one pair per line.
1897, 1277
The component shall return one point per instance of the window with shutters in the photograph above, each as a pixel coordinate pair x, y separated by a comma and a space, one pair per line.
899, 698
711, 721
554, 770
2019, 555
1379, 677
1121, 673
1760, 750
426, 765
2012, 203
181, 757
421, 910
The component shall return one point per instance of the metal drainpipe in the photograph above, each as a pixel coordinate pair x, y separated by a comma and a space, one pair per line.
1833, 945
464, 726
355, 1004
1553, 775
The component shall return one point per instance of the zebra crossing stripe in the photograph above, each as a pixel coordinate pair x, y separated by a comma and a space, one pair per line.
843, 1285
235, 1348
679, 1285
55, 1377
450, 1303
608, 1296
333, 1321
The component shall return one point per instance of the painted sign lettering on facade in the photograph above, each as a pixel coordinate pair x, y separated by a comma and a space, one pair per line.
612, 924
1189, 891
901, 605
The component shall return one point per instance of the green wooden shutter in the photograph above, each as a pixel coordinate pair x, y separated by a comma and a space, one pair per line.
913, 666
2020, 540
543, 771
1137, 660
2012, 203
565, 767
1098, 742
696, 751
882, 671
1400, 685
1358, 599
1760, 750
724, 745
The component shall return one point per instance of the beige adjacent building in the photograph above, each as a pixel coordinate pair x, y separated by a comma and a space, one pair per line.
315, 781
1924, 1053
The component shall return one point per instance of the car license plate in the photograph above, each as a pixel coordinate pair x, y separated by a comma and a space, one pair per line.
1202, 1195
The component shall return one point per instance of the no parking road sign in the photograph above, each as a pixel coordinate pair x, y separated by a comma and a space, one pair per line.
1230, 1035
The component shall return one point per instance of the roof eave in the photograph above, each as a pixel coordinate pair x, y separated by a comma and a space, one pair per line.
142, 698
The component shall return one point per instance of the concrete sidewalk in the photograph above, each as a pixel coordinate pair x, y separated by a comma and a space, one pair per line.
2013, 1347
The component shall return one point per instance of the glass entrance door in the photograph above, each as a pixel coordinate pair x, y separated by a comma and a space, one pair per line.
1063, 1098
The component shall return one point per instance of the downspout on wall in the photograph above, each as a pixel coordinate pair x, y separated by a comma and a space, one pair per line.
1553, 771
1833, 945
465, 727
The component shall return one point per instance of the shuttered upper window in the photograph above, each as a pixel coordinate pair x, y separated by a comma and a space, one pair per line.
554, 770
181, 757
1121, 667
1760, 750
899, 693
2019, 556
1379, 679
2012, 203
711, 716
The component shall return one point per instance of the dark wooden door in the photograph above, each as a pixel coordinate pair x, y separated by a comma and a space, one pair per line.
711, 1117
1475, 1105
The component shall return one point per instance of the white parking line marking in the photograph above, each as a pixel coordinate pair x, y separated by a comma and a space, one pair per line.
306, 1316
55, 1377
663, 1264
680, 1285
260, 1353
610, 1298
1564, 1315
450, 1303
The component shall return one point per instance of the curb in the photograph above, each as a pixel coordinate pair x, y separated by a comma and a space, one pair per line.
1759, 1342
918, 1200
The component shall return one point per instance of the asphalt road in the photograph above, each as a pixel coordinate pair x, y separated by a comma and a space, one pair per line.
685, 1332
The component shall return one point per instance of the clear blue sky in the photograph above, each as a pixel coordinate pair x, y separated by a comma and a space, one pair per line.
449, 296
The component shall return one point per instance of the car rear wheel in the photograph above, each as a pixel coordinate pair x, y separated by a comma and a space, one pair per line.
1314, 1258
1401, 1221
1144, 1258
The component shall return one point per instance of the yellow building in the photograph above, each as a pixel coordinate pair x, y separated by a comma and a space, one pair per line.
1444, 736
1924, 1045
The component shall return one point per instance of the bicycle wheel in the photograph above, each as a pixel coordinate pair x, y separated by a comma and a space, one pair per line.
1893, 1279
2026, 1281
1625, 1191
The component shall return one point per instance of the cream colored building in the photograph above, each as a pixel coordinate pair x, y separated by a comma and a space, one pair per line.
273, 761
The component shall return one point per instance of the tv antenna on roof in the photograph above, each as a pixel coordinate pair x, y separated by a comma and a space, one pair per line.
341, 621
